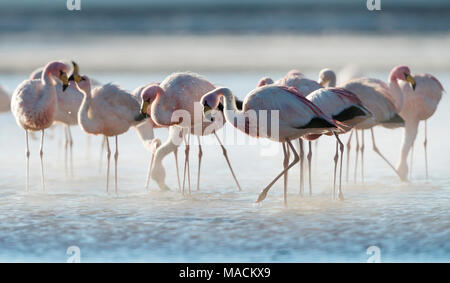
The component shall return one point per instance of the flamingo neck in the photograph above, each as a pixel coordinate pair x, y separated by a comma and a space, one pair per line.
85, 114
396, 93
161, 113
233, 115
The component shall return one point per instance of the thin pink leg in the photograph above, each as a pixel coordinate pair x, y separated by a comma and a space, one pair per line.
309, 157
224, 151
108, 157
41, 153
27, 153
362, 156
375, 148
302, 155
348, 154
116, 158
341, 148
425, 142
356, 157
200, 154
175, 153
285, 165
336, 159
264, 192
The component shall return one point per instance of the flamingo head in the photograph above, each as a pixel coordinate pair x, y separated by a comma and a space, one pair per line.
148, 95
327, 78
84, 84
402, 73
211, 100
59, 70
264, 81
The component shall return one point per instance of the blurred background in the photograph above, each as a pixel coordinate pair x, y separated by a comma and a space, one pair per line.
218, 35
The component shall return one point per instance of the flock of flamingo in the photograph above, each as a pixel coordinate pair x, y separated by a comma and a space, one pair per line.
307, 109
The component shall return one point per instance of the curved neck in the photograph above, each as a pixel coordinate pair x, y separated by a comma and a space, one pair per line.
396, 93
47, 77
161, 112
85, 113
233, 115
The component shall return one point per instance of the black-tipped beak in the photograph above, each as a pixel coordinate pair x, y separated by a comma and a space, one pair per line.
71, 78
140, 117
64, 87
412, 81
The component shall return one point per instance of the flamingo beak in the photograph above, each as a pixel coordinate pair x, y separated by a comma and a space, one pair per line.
143, 112
64, 80
207, 112
411, 80
76, 73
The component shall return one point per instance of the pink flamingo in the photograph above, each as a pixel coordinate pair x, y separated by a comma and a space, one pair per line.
109, 111
297, 117
376, 96
5, 101
67, 109
305, 86
34, 104
179, 91
415, 104
145, 132
344, 107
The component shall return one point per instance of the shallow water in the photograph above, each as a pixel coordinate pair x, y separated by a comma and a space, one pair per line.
408, 222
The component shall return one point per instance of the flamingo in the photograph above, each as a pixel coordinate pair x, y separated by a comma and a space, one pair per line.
146, 133
415, 104
34, 105
297, 117
5, 101
344, 107
67, 109
305, 86
179, 91
109, 111
376, 96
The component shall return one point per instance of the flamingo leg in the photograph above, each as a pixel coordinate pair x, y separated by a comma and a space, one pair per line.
362, 156
27, 153
309, 157
302, 155
336, 159
71, 150
264, 192
200, 154
116, 158
175, 153
186, 164
149, 172
102, 149
357, 155
348, 154
341, 149
66, 150
425, 142
224, 151
316, 157
285, 165
41, 153
108, 157
375, 148
411, 160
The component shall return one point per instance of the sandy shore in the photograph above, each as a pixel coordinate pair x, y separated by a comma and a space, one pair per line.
229, 53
